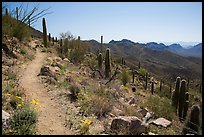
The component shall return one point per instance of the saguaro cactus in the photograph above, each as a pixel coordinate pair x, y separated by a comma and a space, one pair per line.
152, 89
101, 44
78, 41
49, 37
175, 96
139, 65
192, 125
61, 46
185, 109
6, 12
44, 32
16, 13
160, 87
146, 81
100, 60
107, 63
182, 98
133, 76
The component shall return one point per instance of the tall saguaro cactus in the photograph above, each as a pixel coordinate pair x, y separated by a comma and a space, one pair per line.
100, 60
139, 65
160, 87
16, 13
146, 81
133, 76
44, 32
186, 104
152, 89
78, 41
192, 125
101, 44
107, 63
49, 37
182, 98
175, 96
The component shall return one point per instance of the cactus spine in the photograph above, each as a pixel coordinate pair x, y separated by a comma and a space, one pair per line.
182, 98
175, 96
100, 60
107, 63
44, 32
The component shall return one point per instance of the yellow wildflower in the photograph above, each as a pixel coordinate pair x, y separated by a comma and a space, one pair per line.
40, 106
19, 105
18, 97
33, 101
35, 108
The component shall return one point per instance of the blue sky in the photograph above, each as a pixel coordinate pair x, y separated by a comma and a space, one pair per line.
136, 21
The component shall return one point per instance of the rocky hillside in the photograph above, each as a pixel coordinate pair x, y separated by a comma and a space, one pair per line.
128, 102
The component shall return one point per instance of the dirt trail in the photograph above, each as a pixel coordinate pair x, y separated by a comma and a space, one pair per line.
50, 116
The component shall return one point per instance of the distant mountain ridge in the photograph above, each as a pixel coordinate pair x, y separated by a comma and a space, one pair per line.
194, 51
156, 58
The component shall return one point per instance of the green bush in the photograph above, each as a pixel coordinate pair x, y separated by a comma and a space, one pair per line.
14, 28
74, 92
23, 122
23, 51
160, 106
125, 76
142, 71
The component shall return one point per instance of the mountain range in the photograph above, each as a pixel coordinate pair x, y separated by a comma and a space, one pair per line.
161, 60
194, 50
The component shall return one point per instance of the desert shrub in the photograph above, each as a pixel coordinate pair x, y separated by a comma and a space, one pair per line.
164, 92
74, 92
125, 77
160, 106
142, 71
84, 129
23, 121
23, 51
98, 102
14, 28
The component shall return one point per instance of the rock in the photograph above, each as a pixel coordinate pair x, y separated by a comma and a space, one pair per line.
66, 60
5, 119
150, 133
132, 101
161, 122
46, 71
143, 111
58, 59
117, 112
129, 125
147, 117
51, 80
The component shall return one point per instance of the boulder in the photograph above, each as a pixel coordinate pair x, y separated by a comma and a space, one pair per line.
5, 119
117, 112
161, 122
47, 71
129, 125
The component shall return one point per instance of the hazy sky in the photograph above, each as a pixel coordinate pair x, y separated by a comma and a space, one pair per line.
136, 21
